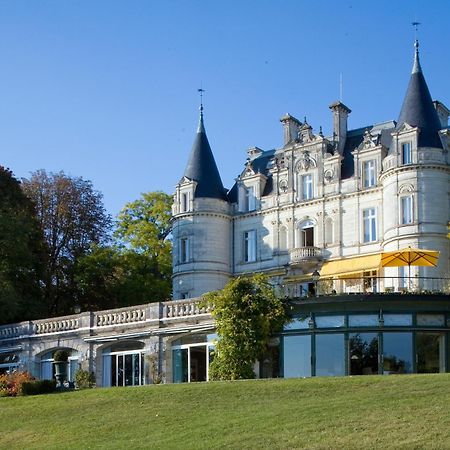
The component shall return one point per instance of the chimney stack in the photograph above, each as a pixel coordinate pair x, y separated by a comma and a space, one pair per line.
340, 115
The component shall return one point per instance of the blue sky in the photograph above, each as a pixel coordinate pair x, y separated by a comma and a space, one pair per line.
107, 89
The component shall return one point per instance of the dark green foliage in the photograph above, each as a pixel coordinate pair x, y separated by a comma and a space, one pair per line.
22, 256
84, 379
138, 267
247, 312
37, 387
61, 356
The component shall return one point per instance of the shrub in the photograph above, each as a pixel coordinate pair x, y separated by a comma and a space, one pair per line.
37, 387
84, 379
11, 383
61, 356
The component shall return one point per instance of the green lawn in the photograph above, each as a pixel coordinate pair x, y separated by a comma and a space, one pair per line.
409, 412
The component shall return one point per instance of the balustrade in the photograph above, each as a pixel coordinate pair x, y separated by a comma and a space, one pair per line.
301, 254
120, 317
184, 308
56, 326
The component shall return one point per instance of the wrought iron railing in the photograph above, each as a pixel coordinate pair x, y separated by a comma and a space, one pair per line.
367, 285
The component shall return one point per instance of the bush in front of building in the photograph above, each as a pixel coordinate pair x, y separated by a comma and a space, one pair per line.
247, 312
36, 387
11, 383
84, 379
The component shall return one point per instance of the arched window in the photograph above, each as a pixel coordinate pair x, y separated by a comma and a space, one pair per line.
305, 234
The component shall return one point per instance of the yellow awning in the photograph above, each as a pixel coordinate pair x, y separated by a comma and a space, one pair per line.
349, 266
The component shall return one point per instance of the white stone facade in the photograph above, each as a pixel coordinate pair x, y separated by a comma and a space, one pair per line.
318, 199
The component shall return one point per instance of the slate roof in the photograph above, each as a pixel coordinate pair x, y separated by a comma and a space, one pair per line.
356, 137
202, 167
418, 109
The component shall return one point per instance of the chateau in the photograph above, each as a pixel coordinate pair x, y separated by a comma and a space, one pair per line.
325, 203
317, 215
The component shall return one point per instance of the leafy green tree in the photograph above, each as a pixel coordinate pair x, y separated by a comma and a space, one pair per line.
247, 312
137, 268
143, 230
73, 219
21, 254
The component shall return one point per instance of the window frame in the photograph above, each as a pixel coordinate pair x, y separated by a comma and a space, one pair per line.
249, 246
406, 206
406, 155
184, 250
369, 173
369, 219
307, 188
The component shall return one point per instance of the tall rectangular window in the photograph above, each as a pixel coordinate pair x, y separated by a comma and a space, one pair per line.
184, 202
307, 187
184, 250
406, 153
369, 173
250, 246
370, 225
250, 201
406, 207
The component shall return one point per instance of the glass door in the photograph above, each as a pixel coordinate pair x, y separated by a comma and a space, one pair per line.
430, 357
363, 353
191, 362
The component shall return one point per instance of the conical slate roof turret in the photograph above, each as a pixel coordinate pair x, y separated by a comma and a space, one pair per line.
418, 109
202, 167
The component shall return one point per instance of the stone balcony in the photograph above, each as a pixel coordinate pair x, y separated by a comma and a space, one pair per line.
302, 255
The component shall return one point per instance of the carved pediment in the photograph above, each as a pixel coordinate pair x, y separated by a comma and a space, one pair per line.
405, 127
185, 180
305, 162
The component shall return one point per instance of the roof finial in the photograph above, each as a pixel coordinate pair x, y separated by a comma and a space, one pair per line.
416, 66
201, 127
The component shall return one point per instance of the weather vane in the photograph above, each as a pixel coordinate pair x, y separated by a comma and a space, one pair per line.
416, 27
200, 90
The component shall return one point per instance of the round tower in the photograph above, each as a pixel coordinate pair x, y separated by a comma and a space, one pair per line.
416, 178
201, 224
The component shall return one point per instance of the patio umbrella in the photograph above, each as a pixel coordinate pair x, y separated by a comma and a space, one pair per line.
410, 257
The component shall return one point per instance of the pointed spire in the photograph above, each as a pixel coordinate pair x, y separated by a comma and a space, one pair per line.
416, 65
418, 109
202, 167
201, 126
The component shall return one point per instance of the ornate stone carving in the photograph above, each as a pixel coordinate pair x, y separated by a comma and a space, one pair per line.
328, 175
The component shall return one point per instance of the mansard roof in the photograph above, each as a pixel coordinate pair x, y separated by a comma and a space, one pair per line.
356, 137
418, 109
202, 167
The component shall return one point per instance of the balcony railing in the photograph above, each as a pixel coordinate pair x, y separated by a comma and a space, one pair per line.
302, 254
102, 320
368, 285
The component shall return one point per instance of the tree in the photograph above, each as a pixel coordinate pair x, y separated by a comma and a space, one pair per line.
143, 230
21, 253
72, 217
247, 312
137, 267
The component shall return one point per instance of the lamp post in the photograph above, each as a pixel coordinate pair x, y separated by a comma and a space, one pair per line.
315, 278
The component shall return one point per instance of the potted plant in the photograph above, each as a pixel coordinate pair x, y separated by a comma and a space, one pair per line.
60, 359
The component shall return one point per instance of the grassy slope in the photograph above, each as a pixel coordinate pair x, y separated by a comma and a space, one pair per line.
410, 412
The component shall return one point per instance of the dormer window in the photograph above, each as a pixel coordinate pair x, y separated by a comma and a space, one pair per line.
184, 202
369, 173
406, 153
250, 200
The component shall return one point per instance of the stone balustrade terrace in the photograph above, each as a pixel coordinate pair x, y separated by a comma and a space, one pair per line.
98, 320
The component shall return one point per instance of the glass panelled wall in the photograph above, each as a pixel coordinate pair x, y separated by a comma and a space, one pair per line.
191, 357
364, 344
